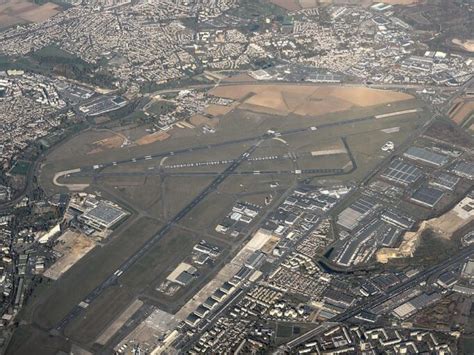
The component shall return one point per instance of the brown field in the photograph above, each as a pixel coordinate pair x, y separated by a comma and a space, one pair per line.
218, 110
107, 143
306, 4
15, 12
151, 138
467, 45
462, 112
306, 100
290, 5
200, 120
72, 246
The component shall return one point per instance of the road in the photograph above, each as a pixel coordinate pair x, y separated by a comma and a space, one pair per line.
376, 300
128, 263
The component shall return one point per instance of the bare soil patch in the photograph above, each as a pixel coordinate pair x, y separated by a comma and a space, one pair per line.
14, 12
218, 110
462, 112
153, 137
107, 143
200, 120
306, 100
467, 45
72, 246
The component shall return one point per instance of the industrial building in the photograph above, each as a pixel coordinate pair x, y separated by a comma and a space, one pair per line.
468, 270
352, 215
409, 308
402, 173
464, 169
427, 196
445, 181
426, 156
397, 219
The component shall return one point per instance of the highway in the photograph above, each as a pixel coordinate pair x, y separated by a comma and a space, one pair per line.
128, 263
376, 300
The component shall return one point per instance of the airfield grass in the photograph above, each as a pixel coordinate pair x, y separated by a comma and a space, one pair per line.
265, 165
56, 301
242, 184
335, 161
236, 124
28, 339
144, 192
209, 212
180, 190
142, 279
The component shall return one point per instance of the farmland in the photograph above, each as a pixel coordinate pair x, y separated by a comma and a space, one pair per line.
15, 12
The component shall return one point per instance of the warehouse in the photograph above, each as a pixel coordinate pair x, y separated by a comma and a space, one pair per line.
192, 320
464, 169
427, 196
352, 215
397, 219
402, 173
426, 156
445, 181
468, 270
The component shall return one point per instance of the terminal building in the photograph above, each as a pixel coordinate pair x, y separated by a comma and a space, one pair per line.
103, 216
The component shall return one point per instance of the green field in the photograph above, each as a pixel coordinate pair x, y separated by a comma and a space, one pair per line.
21, 167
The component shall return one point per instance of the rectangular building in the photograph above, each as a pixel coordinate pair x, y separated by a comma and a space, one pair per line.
427, 196
402, 173
426, 156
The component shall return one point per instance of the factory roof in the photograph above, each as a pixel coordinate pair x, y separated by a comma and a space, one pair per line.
427, 196
426, 156
402, 172
464, 169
